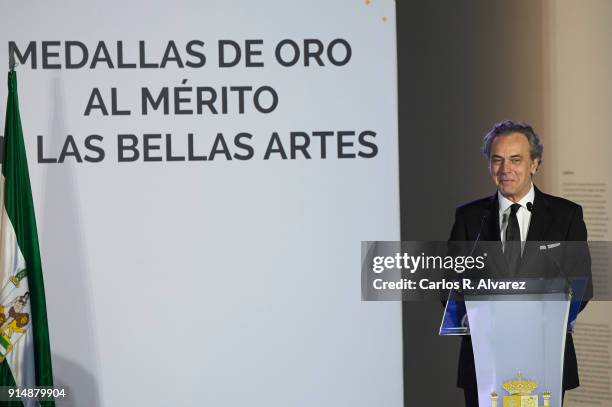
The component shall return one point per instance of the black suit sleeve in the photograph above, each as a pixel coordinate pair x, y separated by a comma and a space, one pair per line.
458, 234
577, 230
580, 257
459, 230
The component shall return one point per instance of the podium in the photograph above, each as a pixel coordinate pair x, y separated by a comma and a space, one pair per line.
518, 342
521, 338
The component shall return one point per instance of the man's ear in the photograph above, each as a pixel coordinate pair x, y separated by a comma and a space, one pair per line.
536, 167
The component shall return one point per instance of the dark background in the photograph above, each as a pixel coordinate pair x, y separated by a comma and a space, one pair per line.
463, 65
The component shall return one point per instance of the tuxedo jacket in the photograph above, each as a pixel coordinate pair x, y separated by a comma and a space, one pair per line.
552, 219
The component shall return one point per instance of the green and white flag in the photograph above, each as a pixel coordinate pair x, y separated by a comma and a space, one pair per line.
24, 337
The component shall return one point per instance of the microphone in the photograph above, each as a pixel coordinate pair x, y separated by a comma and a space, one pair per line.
529, 206
483, 218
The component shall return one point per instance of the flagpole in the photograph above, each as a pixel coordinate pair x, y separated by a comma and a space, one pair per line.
12, 62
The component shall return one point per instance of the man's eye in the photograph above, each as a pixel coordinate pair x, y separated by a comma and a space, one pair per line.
516, 160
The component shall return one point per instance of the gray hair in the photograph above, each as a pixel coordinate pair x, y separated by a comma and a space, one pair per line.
536, 148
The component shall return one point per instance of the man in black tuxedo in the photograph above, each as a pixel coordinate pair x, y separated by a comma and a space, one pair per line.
518, 211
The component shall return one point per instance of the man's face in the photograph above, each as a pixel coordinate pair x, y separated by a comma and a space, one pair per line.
511, 165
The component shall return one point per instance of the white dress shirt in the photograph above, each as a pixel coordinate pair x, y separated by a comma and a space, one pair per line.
523, 215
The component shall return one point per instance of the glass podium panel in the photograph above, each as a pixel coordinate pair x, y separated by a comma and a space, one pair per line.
455, 321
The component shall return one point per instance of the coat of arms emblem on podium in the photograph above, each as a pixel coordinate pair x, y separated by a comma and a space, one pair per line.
520, 394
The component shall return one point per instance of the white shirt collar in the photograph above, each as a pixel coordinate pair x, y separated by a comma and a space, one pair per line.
505, 203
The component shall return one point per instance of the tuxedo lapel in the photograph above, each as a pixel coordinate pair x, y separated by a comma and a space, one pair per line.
491, 226
539, 225
541, 219
491, 234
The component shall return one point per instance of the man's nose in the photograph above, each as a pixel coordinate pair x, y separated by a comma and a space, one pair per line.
505, 166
